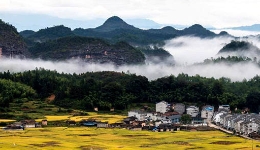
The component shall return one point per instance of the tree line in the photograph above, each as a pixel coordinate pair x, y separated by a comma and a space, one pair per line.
119, 90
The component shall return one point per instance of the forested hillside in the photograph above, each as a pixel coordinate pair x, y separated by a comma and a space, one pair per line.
88, 49
119, 90
11, 43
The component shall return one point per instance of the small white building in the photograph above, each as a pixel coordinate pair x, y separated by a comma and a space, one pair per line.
161, 107
207, 113
193, 111
224, 108
140, 115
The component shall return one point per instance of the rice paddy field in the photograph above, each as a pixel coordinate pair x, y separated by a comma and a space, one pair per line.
84, 138
104, 117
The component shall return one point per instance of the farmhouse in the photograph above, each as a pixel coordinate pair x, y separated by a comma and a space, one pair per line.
179, 107
207, 113
102, 124
162, 107
29, 123
193, 111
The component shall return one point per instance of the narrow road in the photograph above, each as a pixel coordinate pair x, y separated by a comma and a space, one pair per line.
227, 131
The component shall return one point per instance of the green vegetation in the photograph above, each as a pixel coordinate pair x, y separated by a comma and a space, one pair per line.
49, 33
7, 27
10, 91
229, 59
79, 47
235, 46
119, 90
156, 53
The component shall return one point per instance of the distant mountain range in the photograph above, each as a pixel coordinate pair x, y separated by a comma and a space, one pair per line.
114, 41
255, 27
115, 30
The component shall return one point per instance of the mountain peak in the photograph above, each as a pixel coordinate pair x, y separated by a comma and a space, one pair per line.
198, 30
114, 19
114, 23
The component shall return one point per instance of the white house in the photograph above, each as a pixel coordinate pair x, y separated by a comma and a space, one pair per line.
161, 107
207, 113
140, 115
224, 108
193, 111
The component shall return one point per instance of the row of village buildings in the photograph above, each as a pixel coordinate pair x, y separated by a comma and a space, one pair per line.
166, 113
172, 113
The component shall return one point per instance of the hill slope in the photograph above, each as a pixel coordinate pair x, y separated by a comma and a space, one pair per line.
88, 49
11, 43
240, 48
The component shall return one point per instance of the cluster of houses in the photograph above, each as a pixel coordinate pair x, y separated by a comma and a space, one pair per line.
242, 124
29, 123
168, 116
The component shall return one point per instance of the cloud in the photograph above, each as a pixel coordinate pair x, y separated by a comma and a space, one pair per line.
188, 50
221, 13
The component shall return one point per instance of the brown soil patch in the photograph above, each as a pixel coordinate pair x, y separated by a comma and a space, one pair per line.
50, 98
162, 143
87, 134
224, 142
91, 148
45, 144
180, 143
129, 135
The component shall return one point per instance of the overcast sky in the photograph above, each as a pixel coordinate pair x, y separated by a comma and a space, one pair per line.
216, 13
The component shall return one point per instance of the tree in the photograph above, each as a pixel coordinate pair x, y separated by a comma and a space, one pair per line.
253, 101
185, 119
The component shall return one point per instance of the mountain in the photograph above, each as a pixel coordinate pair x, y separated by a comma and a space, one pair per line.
11, 43
114, 30
27, 33
49, 33
114, 23
254, 27
197, 30
240, 48
88, 49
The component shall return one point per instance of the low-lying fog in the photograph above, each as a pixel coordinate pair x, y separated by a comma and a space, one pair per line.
186, 52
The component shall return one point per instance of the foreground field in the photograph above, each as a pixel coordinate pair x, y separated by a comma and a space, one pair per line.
84, 138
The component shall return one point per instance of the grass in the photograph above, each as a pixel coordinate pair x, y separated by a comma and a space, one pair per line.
98, 138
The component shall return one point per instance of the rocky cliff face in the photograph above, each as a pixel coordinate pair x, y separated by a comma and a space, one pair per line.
11, 43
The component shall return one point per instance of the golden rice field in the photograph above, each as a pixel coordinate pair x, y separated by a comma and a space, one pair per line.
6, 120
84, 138
110, 118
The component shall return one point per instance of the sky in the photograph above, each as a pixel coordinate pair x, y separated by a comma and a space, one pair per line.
210, 13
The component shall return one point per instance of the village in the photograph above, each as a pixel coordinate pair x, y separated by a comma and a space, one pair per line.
167, 117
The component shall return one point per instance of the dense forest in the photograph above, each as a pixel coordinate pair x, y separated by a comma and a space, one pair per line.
119, 90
